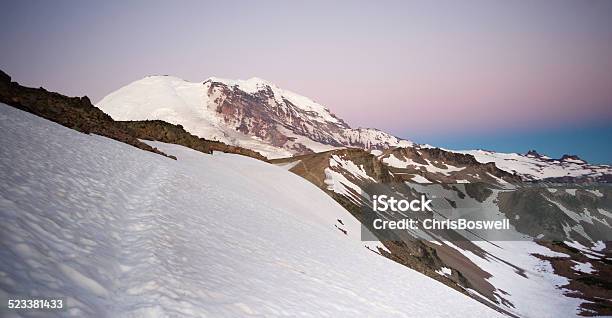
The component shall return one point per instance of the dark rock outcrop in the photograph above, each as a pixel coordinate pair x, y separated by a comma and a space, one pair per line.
278, 120
79, 114
533, 153
574, 158
175, 134
73, 112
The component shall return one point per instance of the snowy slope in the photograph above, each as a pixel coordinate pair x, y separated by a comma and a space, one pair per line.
117, 231
252, 113
503, 271
527, 285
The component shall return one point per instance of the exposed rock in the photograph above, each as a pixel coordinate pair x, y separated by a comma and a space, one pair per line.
73, 112
533, 153
594, 287
431, 162
251, 113
175, 134
416, 254
572, 158
79, 114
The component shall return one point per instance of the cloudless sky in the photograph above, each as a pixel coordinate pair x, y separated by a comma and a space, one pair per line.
501, 75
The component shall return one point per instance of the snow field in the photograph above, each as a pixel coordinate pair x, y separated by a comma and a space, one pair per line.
120, 232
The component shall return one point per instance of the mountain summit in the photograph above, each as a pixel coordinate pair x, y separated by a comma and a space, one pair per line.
253, 113
258, 115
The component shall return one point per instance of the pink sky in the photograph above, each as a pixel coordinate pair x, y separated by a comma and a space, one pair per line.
408, 67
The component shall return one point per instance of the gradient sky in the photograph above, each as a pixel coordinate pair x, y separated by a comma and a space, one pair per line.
500, 75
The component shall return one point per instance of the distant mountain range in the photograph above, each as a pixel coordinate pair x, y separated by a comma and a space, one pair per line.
258, 115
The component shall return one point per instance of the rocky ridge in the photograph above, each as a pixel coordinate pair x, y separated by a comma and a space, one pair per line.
252, 114
79, 114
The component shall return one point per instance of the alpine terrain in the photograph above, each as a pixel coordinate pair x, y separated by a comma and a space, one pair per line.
559, 209
239, 198
120, 232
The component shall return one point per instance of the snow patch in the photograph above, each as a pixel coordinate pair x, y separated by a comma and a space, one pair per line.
420, 179
444, 271
586, 268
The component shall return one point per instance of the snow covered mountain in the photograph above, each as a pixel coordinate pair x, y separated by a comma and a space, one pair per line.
253, 114
116, 231
505, 269
533, 166
258, 115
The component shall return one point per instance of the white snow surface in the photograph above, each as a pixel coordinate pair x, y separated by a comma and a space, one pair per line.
194, 106
404, 163
183, 103
420, 179
539, 292
121, 232
338, 183
586, 268
533, 168
348, 165
445, 271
